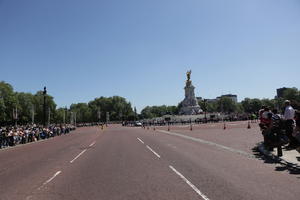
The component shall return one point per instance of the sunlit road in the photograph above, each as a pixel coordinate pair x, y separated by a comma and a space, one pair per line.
123, 163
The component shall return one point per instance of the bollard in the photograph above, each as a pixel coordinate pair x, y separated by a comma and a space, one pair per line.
148, 127
249, 126
191, 127
224, 126
168, 127
154, 128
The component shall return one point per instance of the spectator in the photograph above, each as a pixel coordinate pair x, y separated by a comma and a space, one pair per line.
289, 115
11, 136
296, 132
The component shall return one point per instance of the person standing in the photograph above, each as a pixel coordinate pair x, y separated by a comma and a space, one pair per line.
289, 115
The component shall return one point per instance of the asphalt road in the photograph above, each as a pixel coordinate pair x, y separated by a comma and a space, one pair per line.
134, 163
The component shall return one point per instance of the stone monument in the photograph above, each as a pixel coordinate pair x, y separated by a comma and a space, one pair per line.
189, 106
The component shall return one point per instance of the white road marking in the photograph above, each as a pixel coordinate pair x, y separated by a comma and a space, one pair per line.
141, 141
209, 143
189, 183
157, 155
78, 156
48, 181
29, 197
92, 144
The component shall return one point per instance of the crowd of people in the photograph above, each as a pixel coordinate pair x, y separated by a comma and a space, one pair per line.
14, 135
279, 130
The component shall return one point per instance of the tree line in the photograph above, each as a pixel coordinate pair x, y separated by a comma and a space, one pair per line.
25, 108
228, 106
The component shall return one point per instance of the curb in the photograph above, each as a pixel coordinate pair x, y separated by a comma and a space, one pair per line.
262, 150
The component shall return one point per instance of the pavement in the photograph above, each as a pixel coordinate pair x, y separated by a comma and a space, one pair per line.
118, 162
289, 157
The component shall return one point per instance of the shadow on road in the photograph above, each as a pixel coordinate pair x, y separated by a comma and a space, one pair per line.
285, 166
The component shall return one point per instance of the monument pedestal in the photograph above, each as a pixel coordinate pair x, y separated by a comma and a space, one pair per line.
189, 106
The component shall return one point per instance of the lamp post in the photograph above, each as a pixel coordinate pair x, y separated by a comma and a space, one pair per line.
205, 107
15, 115
44, 106
64, 116
107, 118
32, 114
99, 115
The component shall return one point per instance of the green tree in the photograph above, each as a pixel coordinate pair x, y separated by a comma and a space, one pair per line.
117, 107
25, 107
8, 102
38, 102
251, 105
82, 111
292, 94
227, 105
158, 111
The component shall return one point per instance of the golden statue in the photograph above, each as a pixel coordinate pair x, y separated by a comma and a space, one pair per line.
188, 74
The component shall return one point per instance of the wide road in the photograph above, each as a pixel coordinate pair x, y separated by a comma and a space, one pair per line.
120, 163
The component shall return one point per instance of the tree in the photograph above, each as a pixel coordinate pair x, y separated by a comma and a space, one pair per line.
25, 107
158, 111
292, 94
82, 111
38, 102
8, 102
208, 106
251, 105
227, 105
118, 108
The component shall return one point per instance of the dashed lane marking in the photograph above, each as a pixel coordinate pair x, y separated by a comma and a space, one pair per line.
209, 143
141, 141
92, 144
156, 154
78, 156
53, 177
189, 183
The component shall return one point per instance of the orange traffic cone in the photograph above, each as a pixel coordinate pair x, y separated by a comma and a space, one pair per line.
249, 126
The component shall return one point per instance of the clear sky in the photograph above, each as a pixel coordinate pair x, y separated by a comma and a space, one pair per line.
141, 49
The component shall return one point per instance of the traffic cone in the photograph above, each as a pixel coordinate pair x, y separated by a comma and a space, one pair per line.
224, 126
249, 126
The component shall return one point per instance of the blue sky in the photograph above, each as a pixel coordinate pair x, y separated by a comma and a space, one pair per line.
141, 49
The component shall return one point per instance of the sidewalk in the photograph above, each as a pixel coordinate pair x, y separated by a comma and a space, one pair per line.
290, 157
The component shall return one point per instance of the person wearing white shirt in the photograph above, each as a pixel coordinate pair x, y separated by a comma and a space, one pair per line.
289, 115
289, 112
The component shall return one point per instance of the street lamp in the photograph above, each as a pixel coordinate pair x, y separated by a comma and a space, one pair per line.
205, 107
44, 106
99, 115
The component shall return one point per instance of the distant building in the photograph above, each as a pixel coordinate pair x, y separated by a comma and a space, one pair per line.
207, 100
199, 98
280, 92
211, 100
233, 97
